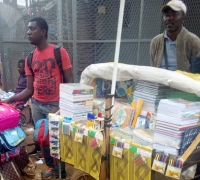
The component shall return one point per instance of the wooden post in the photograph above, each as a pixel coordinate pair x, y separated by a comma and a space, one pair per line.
190, 149
107, 124
108, 117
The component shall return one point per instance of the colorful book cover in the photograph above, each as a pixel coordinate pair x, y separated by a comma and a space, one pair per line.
189, 136
123, 115
123, 89
150, 120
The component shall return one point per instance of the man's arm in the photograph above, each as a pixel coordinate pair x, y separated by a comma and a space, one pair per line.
193, 48
152, 49
25, 94
68, 76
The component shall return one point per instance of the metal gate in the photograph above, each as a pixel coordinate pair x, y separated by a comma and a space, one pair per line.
86, 28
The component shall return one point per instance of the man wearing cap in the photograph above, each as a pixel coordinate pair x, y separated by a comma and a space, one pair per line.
176, 48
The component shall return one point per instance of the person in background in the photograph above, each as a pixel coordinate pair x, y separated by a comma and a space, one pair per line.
43, 83
21, 85
176, 48
22, 79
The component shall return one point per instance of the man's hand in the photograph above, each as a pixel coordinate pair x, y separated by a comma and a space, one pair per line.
5, 101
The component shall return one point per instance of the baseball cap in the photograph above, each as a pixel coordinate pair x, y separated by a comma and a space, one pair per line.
176, 5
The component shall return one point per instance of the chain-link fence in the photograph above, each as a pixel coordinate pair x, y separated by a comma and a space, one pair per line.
87, 29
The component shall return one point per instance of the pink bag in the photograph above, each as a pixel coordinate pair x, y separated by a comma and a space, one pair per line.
9, 117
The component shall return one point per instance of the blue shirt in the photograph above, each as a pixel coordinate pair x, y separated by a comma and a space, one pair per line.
170, 47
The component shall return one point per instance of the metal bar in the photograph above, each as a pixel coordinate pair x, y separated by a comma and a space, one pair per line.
88, 41
5, 68
140, 29
25, 41
59, 23
117, 47
74, 27
113, 41
107, 124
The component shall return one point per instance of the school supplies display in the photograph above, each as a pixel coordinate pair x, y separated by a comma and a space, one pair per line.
178, 111
54, 134
118, 149
123, 114
85, 148
189, 135
146, 120
159, 163
139, 160
131, 148
144, 135
129, 160
174, 118
76, 100
124, 89
174, 168
166, 149
98, 106
94, 143
152, 93
66, 126
137, 105
79, 135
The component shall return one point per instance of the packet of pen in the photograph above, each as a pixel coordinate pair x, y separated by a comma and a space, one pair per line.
160, 162
174, 168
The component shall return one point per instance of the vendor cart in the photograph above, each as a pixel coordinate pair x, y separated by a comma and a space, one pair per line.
96, 163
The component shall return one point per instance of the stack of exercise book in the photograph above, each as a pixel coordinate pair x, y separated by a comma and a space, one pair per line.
76, 100
174, 117
151, 93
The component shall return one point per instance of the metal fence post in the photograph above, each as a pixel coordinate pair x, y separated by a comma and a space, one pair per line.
74, 27
140, 30
59, 23
5, 67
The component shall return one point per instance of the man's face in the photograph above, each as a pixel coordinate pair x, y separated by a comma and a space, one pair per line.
21, 68
173, 20
35, 33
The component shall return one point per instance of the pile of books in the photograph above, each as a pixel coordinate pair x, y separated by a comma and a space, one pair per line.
174, 117
76, 100
152, 93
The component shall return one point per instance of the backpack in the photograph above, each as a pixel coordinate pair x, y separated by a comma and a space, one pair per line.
41, 132
11, 139
9, 117
56, 54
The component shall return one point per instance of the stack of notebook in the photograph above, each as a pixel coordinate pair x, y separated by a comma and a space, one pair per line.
76, 100
151, 93
174, 117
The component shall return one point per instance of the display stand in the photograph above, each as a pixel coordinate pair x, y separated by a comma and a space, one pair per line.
190, 149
